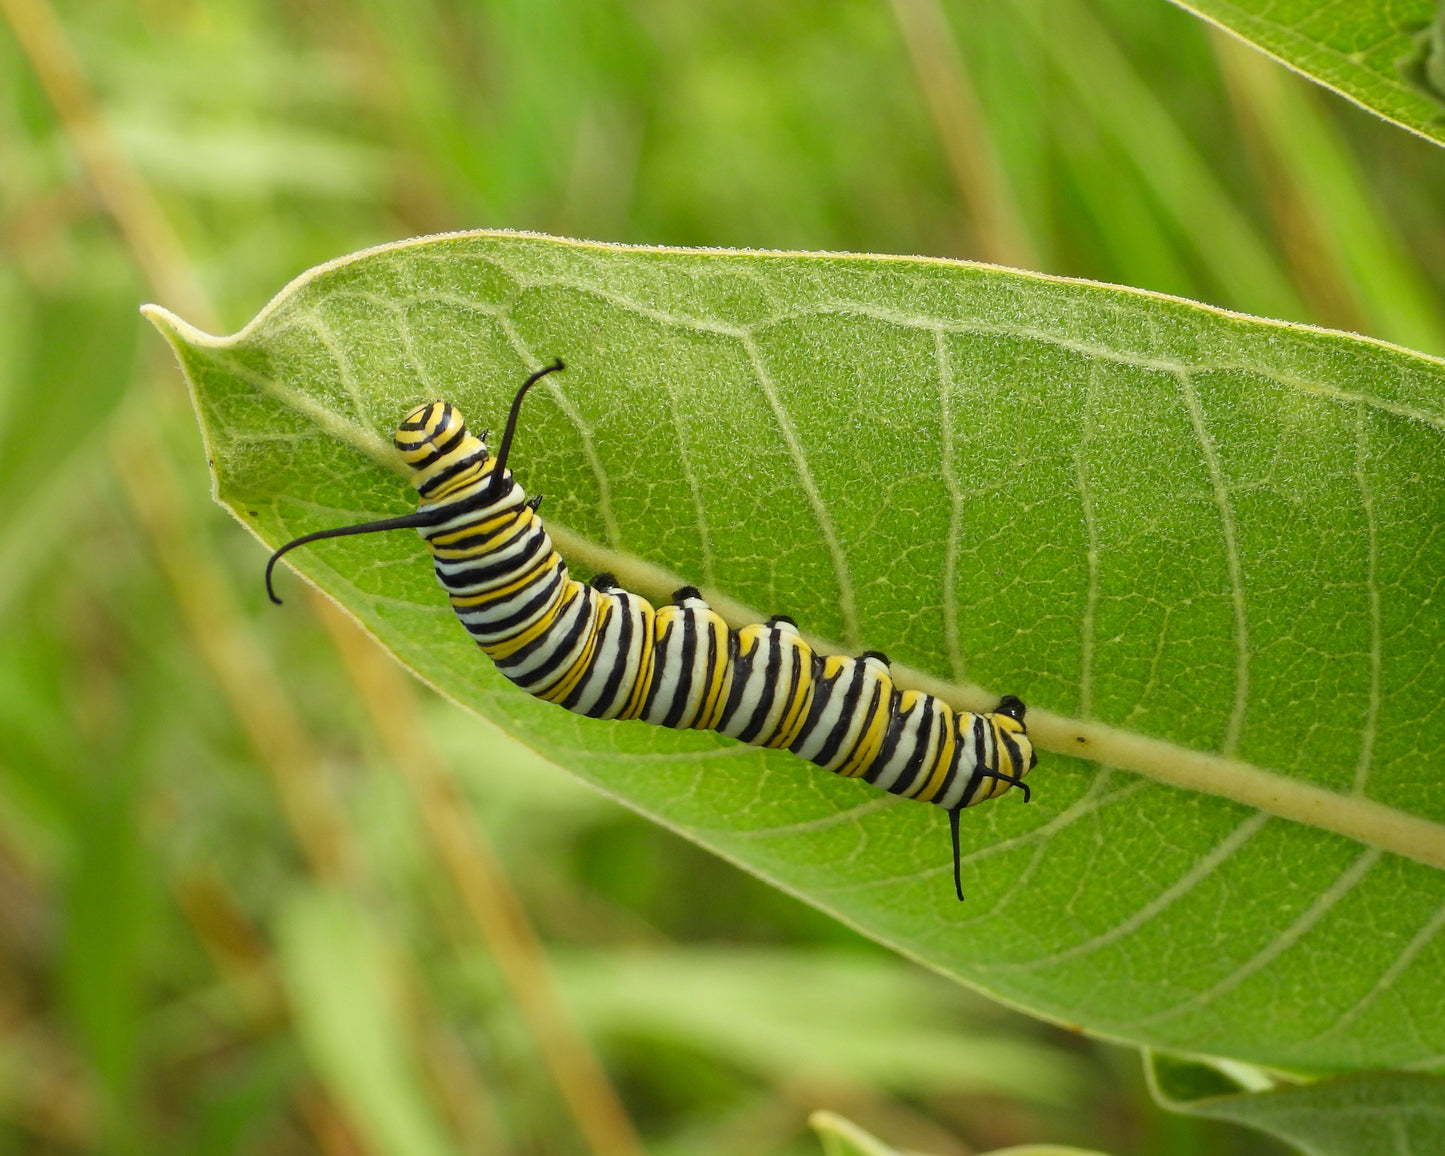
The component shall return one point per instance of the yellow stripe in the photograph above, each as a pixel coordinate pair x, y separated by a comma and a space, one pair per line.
453, 536
536, 573
538, 628
943, 757
646, 664
715, 698
501, 539
574, 673
796, 713
832, 666
873, 733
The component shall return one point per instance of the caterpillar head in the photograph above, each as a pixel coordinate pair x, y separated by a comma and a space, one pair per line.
445, 459
1017, 756
434, 441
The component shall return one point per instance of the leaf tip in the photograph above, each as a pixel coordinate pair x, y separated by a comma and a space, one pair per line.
175, 329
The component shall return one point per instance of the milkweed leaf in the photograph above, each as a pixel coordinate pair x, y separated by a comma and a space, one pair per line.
1204, 548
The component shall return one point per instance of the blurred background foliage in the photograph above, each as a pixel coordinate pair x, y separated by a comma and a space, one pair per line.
238, 911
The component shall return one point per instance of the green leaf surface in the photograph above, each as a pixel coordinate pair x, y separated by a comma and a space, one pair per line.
1200, 546
1369, 1114
1386, 57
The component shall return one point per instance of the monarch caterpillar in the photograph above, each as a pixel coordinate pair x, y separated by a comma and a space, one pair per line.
601, 651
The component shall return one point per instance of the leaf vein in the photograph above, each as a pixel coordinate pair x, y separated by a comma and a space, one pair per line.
1372, 586
1196, 874
956, 664
1091, 556
1232, 559
847, 605
1281, 943
1389, 976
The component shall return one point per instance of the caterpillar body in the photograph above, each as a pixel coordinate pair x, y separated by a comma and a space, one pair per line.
600, 651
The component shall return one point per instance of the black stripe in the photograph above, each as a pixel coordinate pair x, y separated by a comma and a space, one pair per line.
819, 703
457, 467
890, 739
975, 780
771, 689
564, 646
619, 668
852, 697
915, 761
1015, 755
492, 570
709, 670
867, 719
659, 662
474, 501
440, 451
547, 586
604, 621
478, 543
684, 681
742, 667
896, 724
952, 763
424, 422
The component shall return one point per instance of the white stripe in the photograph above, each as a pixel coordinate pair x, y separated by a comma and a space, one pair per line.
605, 656
561, 626
524, 554
930, 754
666, 670
966, 754
813, 740
907, 743
485, 617
753, 687
588, 607
873, 680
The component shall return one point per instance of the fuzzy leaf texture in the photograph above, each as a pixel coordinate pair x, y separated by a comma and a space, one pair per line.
1205, 549
1388, 58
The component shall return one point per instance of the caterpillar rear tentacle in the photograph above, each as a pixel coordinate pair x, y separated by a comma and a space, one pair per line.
600, 651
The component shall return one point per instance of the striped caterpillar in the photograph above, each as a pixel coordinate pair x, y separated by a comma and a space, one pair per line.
603, 652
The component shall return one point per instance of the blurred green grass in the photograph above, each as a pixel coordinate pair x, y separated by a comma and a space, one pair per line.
162, 926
